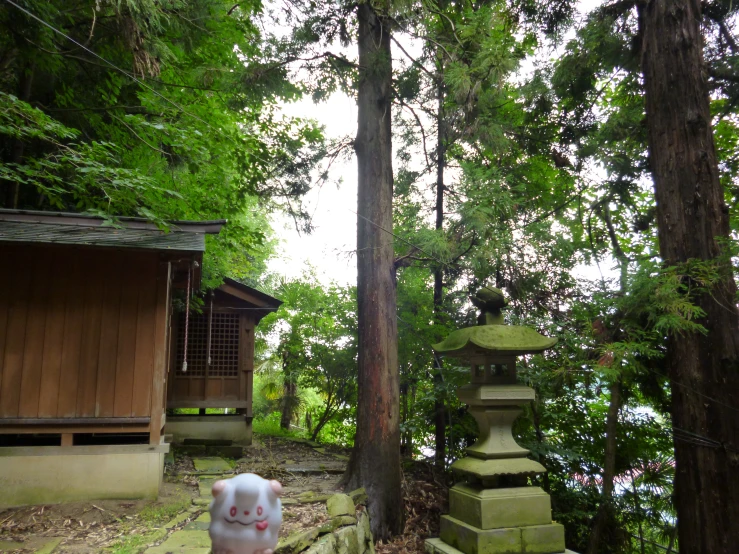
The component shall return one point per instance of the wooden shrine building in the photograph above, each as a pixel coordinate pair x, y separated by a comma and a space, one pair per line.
85, 313
220, 364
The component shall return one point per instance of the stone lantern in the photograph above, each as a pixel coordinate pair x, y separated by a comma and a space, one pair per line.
494, 510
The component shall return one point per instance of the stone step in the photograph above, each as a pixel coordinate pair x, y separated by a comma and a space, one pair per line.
209, 442
211, 464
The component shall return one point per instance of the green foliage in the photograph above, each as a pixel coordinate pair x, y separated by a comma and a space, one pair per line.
178, 120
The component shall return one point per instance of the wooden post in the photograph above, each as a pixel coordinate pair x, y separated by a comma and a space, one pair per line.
161, 337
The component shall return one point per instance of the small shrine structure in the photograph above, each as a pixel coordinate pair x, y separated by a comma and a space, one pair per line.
494, 510
219, 342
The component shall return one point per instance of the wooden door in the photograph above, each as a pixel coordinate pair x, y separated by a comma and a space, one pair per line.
216, 357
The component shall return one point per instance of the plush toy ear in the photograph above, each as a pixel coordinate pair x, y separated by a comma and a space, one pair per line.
218, 487
276, 487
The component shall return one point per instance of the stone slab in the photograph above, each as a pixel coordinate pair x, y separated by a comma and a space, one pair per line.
325, 545
49, 545
205, 516
190, 542
211, 464
472, 540
39, 545
543, 539
347, 541
225, 451
489, 469
197, 526
336, 468
495, 395
208, 442
497, 508
235, 428
437, 546
205, 487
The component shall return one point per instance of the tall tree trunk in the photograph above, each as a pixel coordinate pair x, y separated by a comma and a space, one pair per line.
375, 460
605, 510
439, 408
691, 218
289, 393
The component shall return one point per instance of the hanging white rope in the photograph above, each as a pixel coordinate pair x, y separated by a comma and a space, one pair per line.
187, 318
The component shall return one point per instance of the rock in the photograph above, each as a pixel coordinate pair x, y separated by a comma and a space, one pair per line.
201, 501
339, 505
326, 545
364, 534
346, 541
289, 501
310, 497
334, 523
359, 496
296, 542
320, 450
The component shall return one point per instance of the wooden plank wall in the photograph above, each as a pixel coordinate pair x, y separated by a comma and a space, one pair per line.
78, 332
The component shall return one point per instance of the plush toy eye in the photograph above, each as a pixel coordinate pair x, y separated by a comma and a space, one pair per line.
233, 511
259, 510
246, 513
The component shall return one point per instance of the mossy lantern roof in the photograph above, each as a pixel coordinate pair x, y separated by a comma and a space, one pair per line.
494, 337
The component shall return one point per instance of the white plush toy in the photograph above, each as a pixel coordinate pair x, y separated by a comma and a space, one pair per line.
245, 515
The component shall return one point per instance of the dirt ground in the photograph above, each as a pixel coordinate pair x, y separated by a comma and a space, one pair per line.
92, 526
122, 527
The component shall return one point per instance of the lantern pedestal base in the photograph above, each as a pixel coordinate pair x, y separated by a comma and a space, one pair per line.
515, 520
532, 539
498, 508
437, 546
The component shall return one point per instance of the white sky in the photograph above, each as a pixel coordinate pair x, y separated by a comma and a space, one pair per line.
329, 250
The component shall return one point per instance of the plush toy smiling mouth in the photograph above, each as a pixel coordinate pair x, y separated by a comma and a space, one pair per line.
261, 524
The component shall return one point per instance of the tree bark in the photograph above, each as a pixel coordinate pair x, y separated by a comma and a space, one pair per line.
602, 518
439, 408
691, 217
375, 460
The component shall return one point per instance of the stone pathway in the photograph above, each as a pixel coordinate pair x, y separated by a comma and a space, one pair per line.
193, 538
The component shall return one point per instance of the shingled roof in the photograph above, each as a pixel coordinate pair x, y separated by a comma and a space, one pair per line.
33, 227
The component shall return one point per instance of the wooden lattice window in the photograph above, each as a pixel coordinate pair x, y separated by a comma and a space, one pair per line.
224, 345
